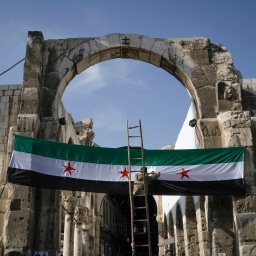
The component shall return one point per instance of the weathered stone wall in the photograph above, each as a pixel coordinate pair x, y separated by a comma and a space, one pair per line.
9, 109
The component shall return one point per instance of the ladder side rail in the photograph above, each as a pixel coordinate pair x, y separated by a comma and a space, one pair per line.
130, 190
148, 221
146, 190
145, 185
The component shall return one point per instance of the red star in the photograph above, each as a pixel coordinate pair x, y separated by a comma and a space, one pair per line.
68, 168
184, 173
124, 173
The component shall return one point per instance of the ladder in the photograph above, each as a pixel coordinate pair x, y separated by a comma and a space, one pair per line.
140, 224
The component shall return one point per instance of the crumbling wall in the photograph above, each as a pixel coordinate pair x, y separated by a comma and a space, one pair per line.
9, 109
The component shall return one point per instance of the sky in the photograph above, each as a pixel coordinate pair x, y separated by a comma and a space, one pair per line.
114, 91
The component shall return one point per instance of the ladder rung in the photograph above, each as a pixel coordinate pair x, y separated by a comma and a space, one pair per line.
132, 127
141, 245
140, 207
144, 220
134, 136
140, 195
141, 233
136, 158
134, 171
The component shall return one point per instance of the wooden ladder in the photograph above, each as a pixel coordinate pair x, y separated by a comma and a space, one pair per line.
140, 224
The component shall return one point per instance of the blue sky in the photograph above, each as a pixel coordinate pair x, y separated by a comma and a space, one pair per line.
114, 90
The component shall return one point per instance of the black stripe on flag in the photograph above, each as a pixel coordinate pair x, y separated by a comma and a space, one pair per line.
158, 187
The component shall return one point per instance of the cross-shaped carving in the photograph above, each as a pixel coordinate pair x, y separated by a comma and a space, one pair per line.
126, 41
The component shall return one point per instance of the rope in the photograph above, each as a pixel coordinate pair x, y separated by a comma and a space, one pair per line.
12, 67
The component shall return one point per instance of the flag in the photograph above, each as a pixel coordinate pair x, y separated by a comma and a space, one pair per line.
55, 165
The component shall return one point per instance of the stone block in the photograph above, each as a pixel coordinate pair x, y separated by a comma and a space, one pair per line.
147, 43
207, 101
102, 43
17, 93
3, 125
201, 57
194, 43
2, 147
105, 55
28, 123
220, 57
247, 250
198, 78
3, 106
3, 132
154, 59
143, 56
30, 101
82, 65
93, 47
15, 86
9, 93
31, 82
17, 227
114, 40
3, 118
4, 87
94, 59
246, 223
133, 40
4, 99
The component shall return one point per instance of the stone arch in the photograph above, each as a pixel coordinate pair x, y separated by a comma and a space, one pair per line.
70, 141
180, 243
221, 225
171, 234
191, 232
122, 203
196, 63
202, 227
167, 54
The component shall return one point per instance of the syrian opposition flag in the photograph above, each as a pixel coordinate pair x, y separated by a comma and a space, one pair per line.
55, 165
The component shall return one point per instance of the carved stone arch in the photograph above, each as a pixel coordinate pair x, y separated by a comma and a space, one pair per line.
70, 141
221, 225
171, 234
192, 61
179, 241
190, 231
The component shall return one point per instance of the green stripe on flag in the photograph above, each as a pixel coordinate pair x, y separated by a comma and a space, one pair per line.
118, 156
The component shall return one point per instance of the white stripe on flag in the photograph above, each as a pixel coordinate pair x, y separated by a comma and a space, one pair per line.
105, 172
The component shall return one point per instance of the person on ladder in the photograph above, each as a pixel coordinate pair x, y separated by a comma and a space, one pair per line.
139, 182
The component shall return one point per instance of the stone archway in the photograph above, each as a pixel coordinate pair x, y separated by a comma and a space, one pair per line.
221, 225
180, 241
52, 64
205, 69
171, 234
191, 232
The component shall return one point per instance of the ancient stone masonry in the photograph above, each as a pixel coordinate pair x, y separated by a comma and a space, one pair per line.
69, 222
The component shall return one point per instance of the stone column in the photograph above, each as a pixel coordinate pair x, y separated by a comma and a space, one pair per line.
96, 221
236, 128
85, 239
201, 217
81, 216
68, 202
161, 232
220, 225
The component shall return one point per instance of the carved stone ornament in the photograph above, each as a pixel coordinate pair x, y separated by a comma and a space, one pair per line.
69, 203
229, 92
81, 214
